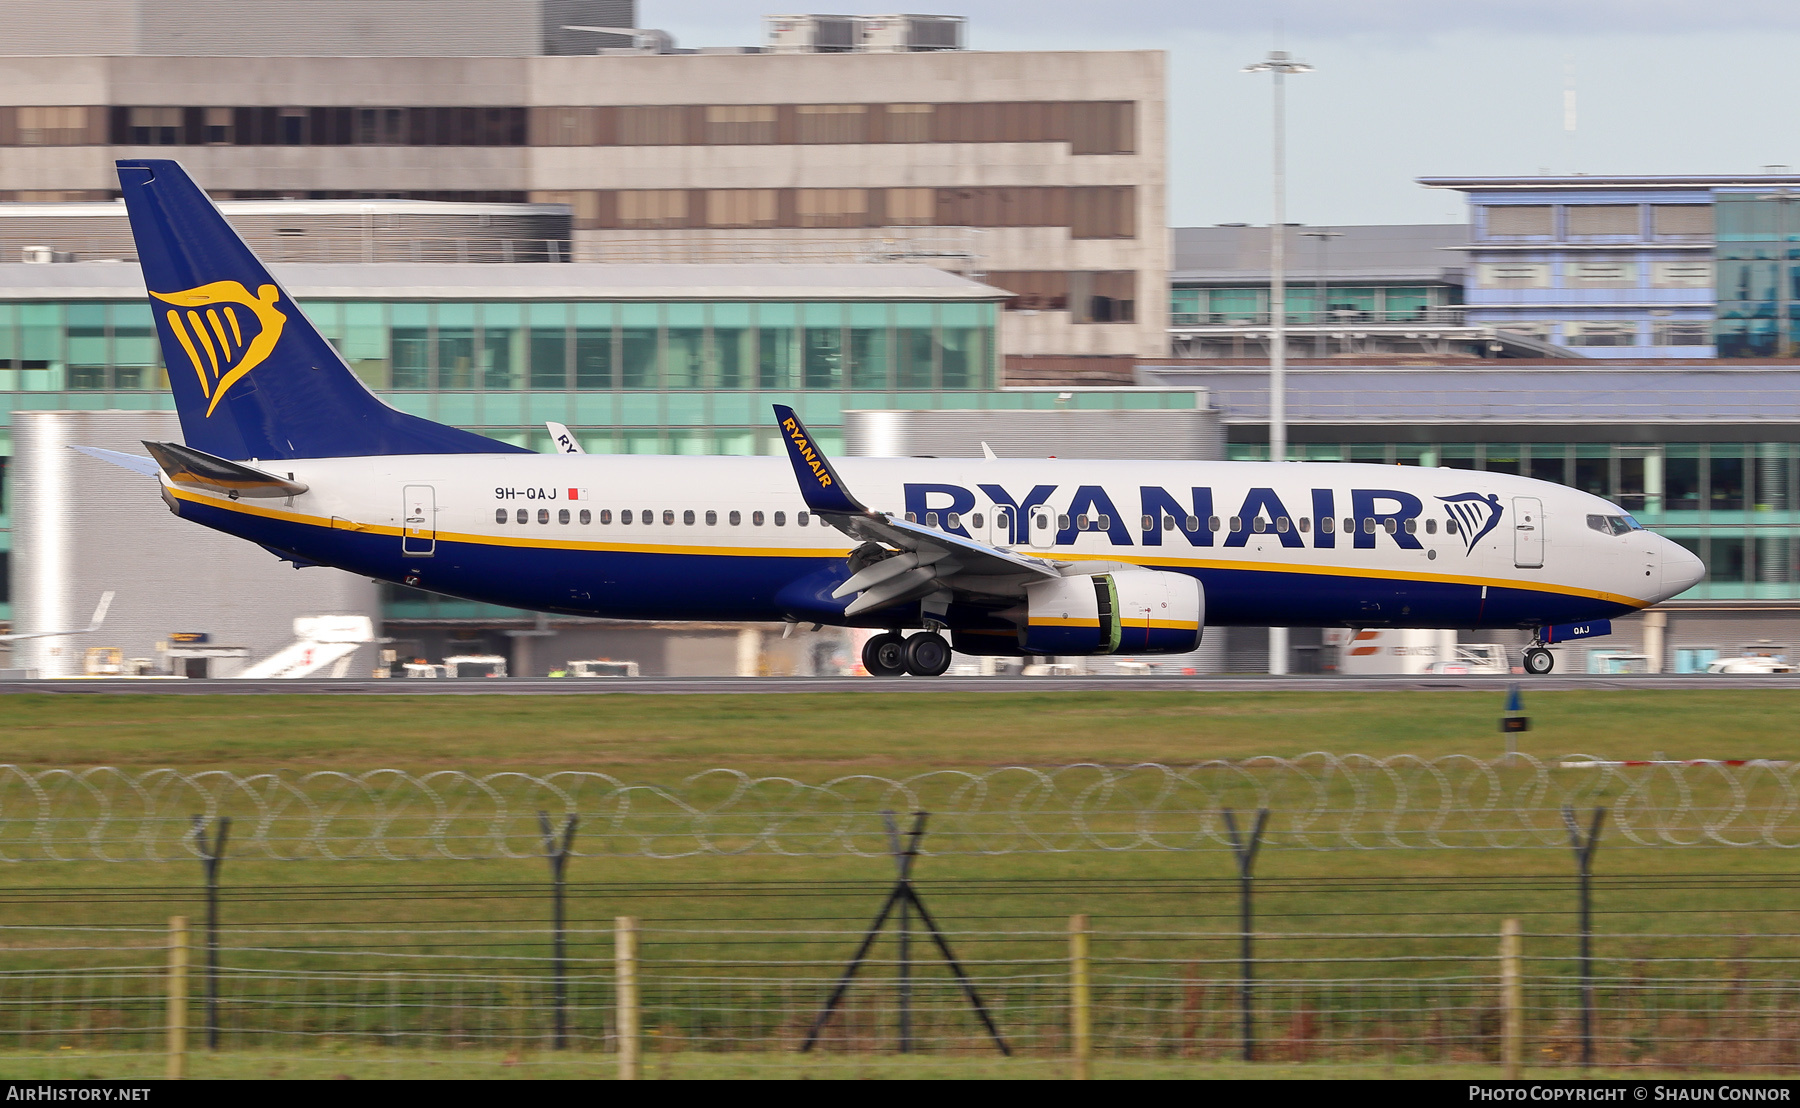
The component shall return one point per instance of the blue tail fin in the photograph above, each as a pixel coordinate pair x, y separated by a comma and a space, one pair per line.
252, 377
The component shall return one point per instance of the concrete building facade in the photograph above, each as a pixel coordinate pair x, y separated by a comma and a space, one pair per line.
1039, 173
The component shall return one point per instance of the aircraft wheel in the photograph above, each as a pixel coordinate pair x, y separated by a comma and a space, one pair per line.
885, 655
927, 655
1539, 661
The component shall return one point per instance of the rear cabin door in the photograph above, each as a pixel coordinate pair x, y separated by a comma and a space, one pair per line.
1528, 532
418, 523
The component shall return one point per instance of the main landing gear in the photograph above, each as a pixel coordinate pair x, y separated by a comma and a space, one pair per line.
891, 654
1539, 661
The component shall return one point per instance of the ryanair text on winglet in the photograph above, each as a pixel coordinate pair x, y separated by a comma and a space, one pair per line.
806, 453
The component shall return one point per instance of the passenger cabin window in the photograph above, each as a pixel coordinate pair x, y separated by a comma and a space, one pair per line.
1450, 527
975, 520
687, 517
1431, 527
625, 516
912, 517
562, 515
781, 519
1237, 524
712, 519
1062, 522
1389, 526
1305, 524
1105, 523
1327, 525
1281, 524
606, 516
1193, 524
587, 517
1212, 523
800, 519
499, 515
756, 519
524, 516
931, 519
669, 517
1412, 526
543, 515
736, 518
952, 520
1081, 523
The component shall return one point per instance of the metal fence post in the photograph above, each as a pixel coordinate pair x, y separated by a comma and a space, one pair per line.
177, 998
1512, 1001
557, 850
211, 855
625, 974
1081, 1014
1246, 861
1584, 859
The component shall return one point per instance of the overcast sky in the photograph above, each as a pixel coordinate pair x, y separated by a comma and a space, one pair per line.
1410, 88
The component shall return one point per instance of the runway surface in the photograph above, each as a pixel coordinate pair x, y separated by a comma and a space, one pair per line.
982, 685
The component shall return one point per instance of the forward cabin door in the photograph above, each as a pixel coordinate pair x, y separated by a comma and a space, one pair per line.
418, 523
1528, 532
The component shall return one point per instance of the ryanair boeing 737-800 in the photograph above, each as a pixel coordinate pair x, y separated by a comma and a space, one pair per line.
285, 447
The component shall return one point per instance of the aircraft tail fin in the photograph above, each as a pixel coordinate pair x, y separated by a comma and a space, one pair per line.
252, 377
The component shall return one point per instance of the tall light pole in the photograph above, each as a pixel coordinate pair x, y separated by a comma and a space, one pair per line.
1279, 65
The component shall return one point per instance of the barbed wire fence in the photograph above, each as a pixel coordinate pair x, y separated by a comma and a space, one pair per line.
1316, 802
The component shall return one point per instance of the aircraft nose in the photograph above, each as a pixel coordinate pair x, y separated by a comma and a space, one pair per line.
1682, 569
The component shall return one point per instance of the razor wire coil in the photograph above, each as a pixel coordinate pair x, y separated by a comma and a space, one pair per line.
1318, 801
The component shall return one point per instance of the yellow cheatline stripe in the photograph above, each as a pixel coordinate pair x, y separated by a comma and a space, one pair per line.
187, 344
237, 336
1046, 621
1365, 574
212, 317
839, 552
193, 319
1131, 624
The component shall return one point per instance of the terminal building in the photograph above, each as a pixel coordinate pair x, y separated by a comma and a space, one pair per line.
1633, 268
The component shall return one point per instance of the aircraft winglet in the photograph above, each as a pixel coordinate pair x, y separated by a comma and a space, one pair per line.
820, 486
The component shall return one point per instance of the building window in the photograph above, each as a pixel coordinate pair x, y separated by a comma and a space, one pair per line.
1681, 275
1519, 220
1602, 220
910, 207
832, 207
831, 123
908, 123
380, 127
1601, 275
1681, 221
290, 127
740, 124
1513, 275
741, 208
1682, 332
653, 126
1108, 296
1103, 212
1101, 127
41, 126
1612, 333
154, 126
653, 208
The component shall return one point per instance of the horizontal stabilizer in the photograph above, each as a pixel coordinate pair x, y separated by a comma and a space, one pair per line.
136, 463
197, 469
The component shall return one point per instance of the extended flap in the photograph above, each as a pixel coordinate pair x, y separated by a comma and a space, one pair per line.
197, 469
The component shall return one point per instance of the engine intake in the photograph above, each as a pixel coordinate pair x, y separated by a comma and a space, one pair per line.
1140, 611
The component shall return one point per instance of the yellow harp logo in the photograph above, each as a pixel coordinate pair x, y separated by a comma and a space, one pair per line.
211, 324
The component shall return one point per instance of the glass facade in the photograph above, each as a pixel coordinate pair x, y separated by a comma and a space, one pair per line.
1208, 307
1758, 282
1735, 504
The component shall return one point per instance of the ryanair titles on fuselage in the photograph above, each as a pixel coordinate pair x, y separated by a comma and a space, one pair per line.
1093, 508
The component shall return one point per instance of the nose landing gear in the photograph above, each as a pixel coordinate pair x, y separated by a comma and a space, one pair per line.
891, 654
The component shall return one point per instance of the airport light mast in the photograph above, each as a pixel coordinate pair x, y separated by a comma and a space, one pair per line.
1278, 64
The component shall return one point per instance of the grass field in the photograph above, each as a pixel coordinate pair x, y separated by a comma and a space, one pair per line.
1745, 897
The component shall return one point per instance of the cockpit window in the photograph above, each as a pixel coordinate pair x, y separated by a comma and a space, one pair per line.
1614, 525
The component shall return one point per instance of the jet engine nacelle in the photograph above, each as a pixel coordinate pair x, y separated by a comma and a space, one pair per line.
1140, 611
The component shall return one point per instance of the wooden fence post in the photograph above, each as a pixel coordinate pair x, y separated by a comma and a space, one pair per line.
1512, 1002
1081, 1014
178, 998
625, 975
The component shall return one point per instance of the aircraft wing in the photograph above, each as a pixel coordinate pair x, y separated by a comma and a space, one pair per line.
106, 599
907, 561
198, 469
